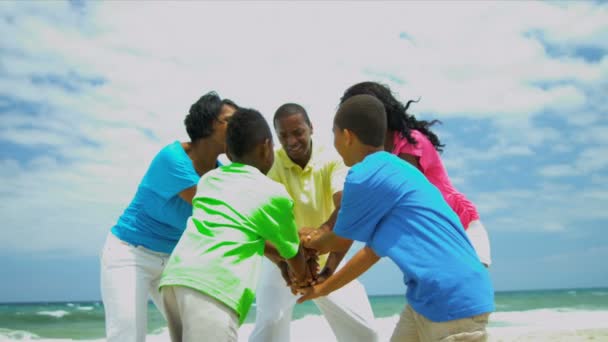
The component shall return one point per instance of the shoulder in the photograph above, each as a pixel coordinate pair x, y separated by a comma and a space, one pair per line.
172, 154
276, 192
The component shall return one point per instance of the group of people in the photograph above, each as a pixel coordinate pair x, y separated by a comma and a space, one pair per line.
204, 240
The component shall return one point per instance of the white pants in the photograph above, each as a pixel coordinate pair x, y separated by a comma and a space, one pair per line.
194, 316
479, 239
128, 275
347, 310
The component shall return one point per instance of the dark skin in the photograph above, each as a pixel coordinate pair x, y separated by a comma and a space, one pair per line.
204, 152
295, 136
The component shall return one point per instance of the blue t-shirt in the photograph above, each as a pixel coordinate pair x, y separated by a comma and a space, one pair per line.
157, 215
390, 205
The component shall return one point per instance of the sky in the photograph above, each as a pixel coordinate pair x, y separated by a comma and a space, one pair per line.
90, 91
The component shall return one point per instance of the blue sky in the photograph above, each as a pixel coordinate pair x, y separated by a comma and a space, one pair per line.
89, 92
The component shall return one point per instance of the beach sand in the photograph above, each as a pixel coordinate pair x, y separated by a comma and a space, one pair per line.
315, 328
517, 335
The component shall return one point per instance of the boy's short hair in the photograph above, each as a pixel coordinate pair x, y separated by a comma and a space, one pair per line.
289, 109
365, 116
246, 129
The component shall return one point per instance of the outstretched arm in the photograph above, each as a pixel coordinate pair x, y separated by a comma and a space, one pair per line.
361, 262
326, 242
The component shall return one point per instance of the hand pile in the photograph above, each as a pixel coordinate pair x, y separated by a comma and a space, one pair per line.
313, 276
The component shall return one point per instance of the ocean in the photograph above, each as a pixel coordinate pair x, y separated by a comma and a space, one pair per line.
569, 308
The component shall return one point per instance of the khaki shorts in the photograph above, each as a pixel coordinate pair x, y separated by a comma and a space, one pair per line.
413, 327
193, 316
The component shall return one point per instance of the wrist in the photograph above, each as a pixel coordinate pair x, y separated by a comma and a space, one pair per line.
326, 228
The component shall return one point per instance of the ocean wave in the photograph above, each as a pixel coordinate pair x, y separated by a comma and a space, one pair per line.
85, 308
55, 313
16, 335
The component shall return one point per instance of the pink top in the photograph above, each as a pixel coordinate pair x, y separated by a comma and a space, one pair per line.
432, 167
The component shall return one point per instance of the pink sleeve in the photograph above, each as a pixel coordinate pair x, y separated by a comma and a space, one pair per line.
420, 150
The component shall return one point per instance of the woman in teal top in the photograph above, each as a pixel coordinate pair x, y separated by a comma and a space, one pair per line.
140, 243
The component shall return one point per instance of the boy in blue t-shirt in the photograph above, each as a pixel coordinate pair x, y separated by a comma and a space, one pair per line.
391, 207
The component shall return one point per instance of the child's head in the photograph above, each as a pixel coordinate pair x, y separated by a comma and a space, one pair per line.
359, 128
249, 140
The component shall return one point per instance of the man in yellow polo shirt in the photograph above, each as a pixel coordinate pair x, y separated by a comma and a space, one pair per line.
313, 176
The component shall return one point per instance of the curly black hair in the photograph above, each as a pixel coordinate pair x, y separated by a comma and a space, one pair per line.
396, 113
247, 128
199, 121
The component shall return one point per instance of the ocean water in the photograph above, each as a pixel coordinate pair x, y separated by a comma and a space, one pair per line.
585, 308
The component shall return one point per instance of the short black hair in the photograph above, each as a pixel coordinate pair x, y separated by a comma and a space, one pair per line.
288, 109
199, 121
246, 129
365, 116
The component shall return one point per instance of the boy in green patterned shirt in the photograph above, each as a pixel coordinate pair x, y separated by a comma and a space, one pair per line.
209, 282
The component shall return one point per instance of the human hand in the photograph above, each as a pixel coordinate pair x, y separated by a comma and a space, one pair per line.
309, 293
311, 238
324, 274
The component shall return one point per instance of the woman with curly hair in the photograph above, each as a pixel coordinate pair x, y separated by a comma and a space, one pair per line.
413, 141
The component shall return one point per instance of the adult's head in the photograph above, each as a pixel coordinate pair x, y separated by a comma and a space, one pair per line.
208, 118
359, 128
398, 120
293, 127
249, 140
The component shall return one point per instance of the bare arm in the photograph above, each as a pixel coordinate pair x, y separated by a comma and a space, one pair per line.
298, 266
327, 242
331, 221
188, 194
361, 262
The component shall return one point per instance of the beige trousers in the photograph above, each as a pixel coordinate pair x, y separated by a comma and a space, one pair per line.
413, 327
194, 316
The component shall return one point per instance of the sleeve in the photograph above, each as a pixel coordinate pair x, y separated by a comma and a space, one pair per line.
337, 175
404, 146
171, 173
276, 223
424, 150
363, 206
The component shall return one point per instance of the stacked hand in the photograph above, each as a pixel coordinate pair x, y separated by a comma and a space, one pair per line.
310, 236
312, 262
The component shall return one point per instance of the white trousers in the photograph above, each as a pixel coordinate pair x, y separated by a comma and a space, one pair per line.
347, 310
479, 239
128, 275
193, 316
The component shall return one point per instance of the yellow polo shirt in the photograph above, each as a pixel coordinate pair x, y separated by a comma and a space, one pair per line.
313, 187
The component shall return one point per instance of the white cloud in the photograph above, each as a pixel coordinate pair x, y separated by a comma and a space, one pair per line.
155, 58
546, 207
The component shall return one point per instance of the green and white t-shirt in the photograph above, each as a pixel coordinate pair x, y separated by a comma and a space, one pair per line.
235, 210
